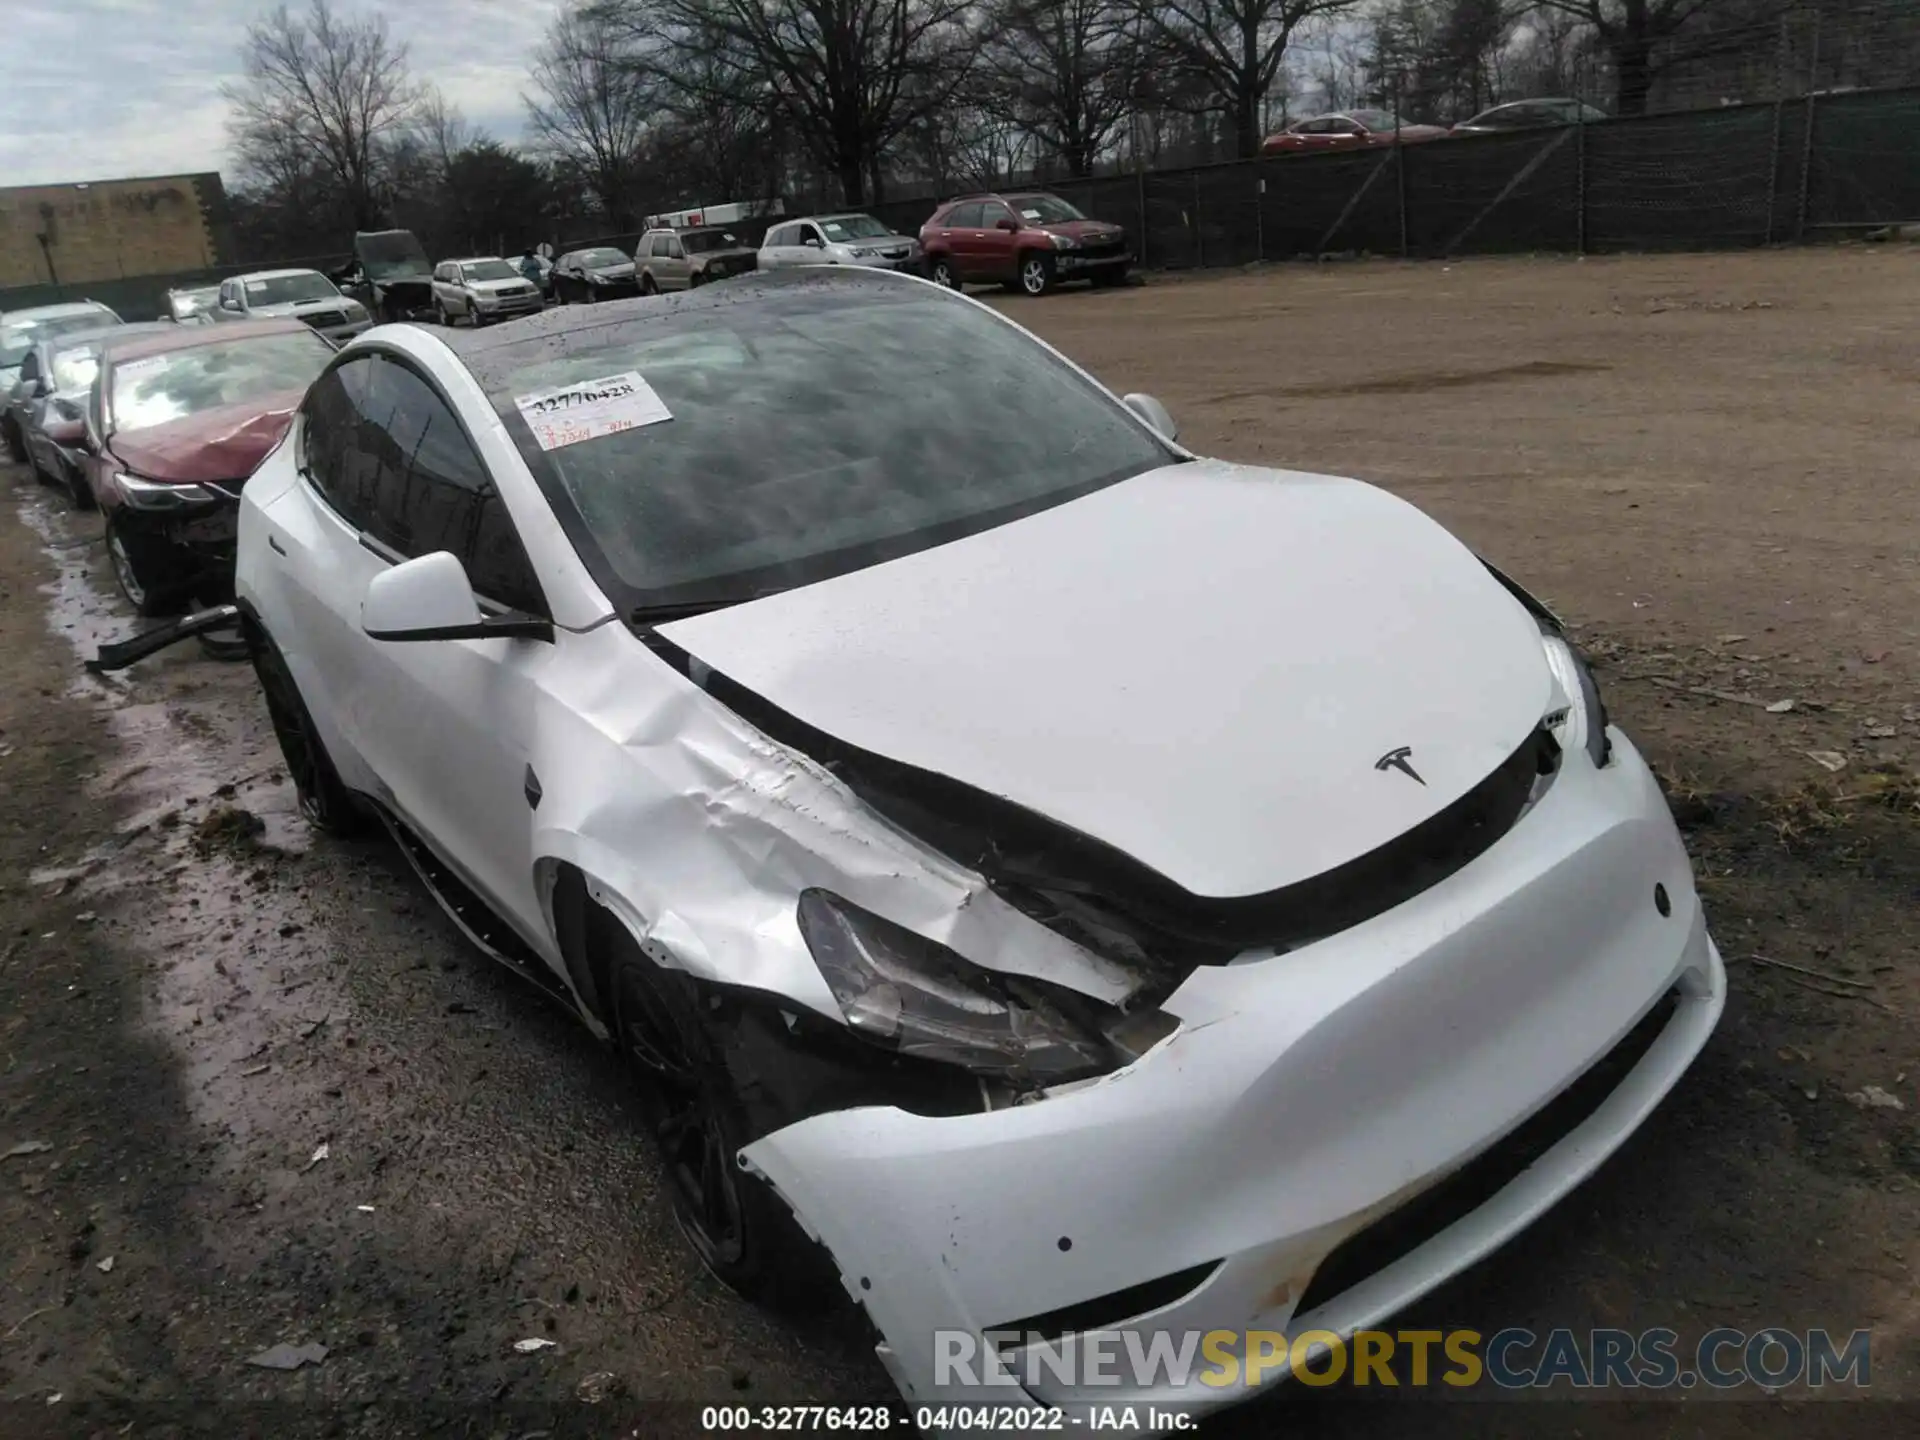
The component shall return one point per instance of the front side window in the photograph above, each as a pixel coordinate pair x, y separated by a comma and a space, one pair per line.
429, 490
964, 217
814, 430
330, 421
154, 389
74, 369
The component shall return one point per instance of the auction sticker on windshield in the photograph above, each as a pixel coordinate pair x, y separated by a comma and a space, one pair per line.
587, 409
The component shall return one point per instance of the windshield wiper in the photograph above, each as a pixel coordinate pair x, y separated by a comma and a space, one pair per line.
685, 609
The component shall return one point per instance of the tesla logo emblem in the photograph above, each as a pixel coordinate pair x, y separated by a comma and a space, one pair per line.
1397, 760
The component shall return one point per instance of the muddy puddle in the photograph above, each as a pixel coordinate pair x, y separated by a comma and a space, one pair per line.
191, 868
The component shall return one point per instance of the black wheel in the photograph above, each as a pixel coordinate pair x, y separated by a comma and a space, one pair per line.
696, 280
149, 575
647, 285
16, 444
440, 316
1036, 272
328, 805
944, 273
78, 490
41, 473
701, 1116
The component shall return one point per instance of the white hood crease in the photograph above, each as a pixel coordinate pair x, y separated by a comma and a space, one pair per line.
1199, 666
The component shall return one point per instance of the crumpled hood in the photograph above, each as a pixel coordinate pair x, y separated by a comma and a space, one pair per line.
1202, 667
219, 445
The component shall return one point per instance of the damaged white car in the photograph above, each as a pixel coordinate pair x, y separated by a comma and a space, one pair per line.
1047, 882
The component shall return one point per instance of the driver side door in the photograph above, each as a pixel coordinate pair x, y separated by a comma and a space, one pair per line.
442, 730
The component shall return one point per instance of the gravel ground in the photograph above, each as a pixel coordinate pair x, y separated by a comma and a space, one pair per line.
1707, 460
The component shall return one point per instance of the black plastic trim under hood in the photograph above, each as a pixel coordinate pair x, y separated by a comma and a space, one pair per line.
1106, 900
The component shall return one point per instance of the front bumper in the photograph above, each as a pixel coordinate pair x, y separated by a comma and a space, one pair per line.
1068, 262
510, 308
1305, 1097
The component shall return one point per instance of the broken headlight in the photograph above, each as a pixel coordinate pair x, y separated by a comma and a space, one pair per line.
1586, 724
913, 995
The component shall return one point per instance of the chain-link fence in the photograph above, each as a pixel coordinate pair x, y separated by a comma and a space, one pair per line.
1739, 175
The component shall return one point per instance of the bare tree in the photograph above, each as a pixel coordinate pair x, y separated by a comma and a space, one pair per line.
594, 103
1235, 47
329, 86
1063, 70
1639, 36
443, 130
849, 76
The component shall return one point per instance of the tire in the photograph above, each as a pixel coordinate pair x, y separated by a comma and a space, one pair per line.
943, 272
701, 1115
149, 576
440, 316
16, 443
1035, 276
696, 279
647, 285
79, 491
327, 803
42, 474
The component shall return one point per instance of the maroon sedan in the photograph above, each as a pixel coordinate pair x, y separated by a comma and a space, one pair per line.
1347, 130
175, 424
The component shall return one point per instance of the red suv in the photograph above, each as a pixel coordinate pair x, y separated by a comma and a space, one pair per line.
1027, 241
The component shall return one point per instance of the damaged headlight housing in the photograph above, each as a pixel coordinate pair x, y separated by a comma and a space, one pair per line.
914, 996
1586, 722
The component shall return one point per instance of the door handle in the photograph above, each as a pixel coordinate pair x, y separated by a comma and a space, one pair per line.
275, 546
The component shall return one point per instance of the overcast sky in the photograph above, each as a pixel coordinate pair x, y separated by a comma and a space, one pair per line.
95, 89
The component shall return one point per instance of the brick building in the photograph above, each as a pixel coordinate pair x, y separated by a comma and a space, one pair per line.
109, 230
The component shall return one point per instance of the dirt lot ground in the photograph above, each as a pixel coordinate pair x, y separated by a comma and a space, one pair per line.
1708, 461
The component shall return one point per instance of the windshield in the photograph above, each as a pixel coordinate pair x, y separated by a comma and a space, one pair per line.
193, 302
157, 388
815, 429
21, 335
1044, 209
854, 227
698, 242
603, 257
74, 369
390, 255
288, 289
490, 270
1375, 119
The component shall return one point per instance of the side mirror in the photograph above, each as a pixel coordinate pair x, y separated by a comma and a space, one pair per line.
1153, 412
1007, 223
230, 304
429, 598
812, 242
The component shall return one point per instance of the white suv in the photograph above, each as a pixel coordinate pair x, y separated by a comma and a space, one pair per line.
482, 288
